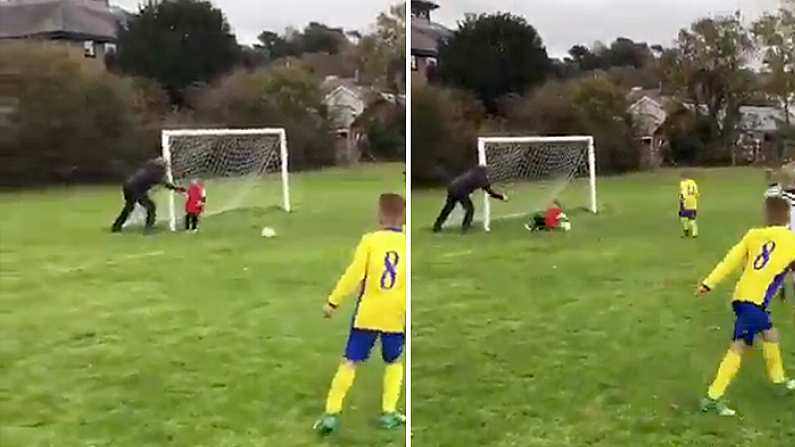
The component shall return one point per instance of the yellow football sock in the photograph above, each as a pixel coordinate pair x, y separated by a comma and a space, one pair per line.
726, 372
694, 228
340, 385
685, 224
393, 381
775, 366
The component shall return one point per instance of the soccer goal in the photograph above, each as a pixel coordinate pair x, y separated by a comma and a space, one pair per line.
239, 167
535, 170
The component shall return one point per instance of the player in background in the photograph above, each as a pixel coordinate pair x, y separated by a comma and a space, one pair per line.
781, 182
459, 190
549, 220
136, 190
194, 205
688, 205
766, 254
378, 273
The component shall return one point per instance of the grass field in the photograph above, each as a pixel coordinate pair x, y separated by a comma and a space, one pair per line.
591, 338
214, 339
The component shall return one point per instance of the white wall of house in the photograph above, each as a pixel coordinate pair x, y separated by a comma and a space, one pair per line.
344, 105
648, 114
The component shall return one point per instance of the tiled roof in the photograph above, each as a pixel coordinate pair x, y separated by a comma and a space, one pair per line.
84, 18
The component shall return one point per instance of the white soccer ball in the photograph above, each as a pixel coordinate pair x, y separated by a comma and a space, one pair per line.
565, 224
268, 232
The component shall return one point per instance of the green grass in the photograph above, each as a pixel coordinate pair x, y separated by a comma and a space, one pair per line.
591, 338
214, 339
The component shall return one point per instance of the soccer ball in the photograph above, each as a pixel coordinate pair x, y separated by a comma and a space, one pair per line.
565, 224
268, 232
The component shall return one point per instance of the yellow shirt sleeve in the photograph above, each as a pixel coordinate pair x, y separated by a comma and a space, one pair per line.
733, 260
352, 279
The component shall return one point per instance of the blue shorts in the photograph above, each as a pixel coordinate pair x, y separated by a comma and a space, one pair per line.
688, 214
751, 320
361, 342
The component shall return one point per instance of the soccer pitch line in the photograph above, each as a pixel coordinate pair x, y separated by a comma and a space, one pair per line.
457, 254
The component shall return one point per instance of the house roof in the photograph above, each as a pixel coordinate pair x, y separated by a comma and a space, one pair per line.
89, 19
333, 83
426, 36
638, 93
762, 119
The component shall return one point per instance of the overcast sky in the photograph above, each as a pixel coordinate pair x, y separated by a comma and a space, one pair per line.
250, 17
563, 23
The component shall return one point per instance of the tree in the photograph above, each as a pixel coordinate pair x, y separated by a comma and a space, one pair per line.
315, 38
775, 34
178, 43
276, 46
74, 122
625, 52
444, 127
494, 55
584, 58
382, 54
588, 106
706, 69
286, 97
319, 38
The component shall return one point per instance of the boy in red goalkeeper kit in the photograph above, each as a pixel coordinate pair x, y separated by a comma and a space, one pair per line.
194, 205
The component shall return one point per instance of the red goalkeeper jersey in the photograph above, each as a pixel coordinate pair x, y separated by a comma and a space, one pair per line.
552, 217
195, 201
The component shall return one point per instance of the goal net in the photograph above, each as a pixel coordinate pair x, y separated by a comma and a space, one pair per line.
533, 171
240, 168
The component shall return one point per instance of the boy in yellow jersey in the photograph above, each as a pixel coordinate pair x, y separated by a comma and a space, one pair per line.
688, 205
767, 254
378, 273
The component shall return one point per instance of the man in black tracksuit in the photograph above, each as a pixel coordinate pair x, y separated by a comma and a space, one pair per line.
459, 190
136, 190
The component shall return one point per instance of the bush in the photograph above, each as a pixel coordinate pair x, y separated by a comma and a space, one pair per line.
581, 107
692, 138
287, 97
73, 120
444, 128
386, 133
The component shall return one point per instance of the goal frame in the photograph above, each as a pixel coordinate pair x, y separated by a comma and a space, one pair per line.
167, 135
587, 139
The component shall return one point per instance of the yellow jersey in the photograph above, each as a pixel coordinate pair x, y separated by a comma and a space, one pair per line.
767, 254
378, 271
688, 194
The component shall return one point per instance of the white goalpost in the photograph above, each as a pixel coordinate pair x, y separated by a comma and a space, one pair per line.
233, 164
535, 170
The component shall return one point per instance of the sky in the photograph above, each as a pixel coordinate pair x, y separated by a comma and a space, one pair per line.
564, 23
250, 17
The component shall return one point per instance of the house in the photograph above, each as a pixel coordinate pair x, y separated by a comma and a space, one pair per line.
345, 100
426, 36
648, 111
759, 126
350, 107
90, 26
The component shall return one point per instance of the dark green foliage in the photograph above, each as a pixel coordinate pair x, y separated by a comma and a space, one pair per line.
444, 130
494, 55
286, 97
178, 43
74, 121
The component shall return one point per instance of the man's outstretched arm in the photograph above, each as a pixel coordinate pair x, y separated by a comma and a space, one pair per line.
494, 194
